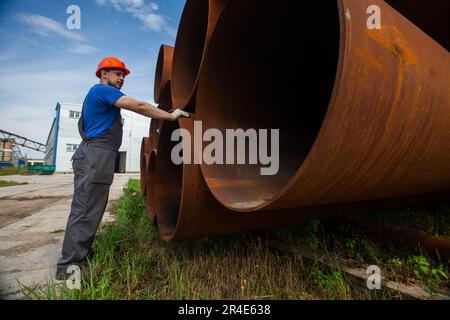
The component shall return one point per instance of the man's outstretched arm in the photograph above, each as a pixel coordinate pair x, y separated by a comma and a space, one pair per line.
148, 110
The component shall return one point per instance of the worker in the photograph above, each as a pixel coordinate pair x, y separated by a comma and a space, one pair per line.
94, 161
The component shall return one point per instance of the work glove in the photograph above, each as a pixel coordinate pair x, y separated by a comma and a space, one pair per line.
178, 113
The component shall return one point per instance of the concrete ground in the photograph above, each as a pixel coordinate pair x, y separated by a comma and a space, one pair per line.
32, 222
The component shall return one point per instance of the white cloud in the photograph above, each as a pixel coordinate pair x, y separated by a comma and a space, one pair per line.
122, 5
46, 27
145, 12
82, 49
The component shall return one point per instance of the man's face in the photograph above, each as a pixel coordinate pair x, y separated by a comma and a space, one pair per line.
114, 78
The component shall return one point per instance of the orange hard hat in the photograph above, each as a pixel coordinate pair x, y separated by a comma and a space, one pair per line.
111, 63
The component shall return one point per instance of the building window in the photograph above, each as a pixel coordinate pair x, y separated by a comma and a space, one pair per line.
74, 114
72, 147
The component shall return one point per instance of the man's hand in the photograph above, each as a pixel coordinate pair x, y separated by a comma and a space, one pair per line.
177, 114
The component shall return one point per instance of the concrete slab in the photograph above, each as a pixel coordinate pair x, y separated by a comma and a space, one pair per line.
32, 222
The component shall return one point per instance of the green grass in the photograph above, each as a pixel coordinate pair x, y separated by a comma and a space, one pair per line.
409, 264
7, 183
136, 264
8, 171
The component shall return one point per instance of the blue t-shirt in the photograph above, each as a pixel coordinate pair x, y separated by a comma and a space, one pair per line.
99, 112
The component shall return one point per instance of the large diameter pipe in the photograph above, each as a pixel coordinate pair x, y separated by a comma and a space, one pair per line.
186, 209
150, 176
163, 77
144, 159
196, 27
432, 16
363, 114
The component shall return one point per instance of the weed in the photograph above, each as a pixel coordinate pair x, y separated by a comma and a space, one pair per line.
8, 171
424, 270
8, 183
312, 229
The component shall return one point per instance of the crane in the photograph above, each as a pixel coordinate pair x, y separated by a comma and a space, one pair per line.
22, 141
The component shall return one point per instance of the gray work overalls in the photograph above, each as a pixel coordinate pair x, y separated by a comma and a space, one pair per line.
94, 164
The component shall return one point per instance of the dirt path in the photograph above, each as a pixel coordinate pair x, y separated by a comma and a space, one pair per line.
32, 222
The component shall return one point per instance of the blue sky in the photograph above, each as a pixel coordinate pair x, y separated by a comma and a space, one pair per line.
43, 62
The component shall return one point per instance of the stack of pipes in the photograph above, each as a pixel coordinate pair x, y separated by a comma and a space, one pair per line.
363, 113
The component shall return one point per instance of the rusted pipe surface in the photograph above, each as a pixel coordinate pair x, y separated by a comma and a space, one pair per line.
163, 77
432, 16
144, 159
196, 27
186, 209
363, 114
151, 187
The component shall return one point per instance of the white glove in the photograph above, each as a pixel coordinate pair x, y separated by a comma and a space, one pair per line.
178, 113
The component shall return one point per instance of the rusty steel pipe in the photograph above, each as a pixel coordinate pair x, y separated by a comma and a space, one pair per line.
432, 16
163, 77
155, 127
150, 177
156, 124
186, 209
196, 27
363, 114
145, 156
151, 187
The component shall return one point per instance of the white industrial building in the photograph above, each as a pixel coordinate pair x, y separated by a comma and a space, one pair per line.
64, 139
